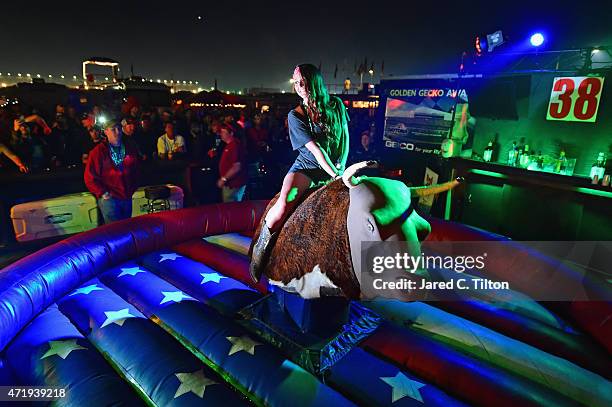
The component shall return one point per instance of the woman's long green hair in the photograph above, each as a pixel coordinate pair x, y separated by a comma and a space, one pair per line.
329, 112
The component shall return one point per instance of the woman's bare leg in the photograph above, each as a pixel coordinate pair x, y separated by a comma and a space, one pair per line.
295, 184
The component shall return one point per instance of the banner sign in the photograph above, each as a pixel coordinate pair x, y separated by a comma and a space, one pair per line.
575, 98
418, 114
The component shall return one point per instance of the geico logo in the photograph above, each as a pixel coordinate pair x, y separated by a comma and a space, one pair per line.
402, 146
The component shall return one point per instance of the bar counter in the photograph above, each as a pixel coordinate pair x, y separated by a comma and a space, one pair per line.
531, 205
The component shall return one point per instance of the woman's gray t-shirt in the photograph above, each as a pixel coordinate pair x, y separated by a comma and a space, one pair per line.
300, 134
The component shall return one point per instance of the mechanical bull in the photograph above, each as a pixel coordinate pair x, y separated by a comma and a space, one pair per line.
318, 250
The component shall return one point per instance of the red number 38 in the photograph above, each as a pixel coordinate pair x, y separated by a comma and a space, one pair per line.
585, 104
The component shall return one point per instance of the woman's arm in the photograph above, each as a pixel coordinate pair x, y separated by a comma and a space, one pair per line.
322, 158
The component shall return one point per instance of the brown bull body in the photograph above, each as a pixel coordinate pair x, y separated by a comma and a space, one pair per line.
315, 235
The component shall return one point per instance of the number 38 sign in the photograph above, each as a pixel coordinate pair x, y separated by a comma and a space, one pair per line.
575, 99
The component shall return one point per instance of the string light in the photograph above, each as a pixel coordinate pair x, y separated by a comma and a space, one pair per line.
76, 78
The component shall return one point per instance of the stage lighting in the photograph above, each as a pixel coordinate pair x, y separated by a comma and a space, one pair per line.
494, 40
488, 43
536, 39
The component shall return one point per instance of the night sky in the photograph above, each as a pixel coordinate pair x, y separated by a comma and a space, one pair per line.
259, 42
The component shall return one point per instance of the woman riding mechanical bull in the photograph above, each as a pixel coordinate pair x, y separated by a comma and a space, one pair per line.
316, 250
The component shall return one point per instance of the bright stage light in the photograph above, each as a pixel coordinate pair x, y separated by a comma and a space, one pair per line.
536, 39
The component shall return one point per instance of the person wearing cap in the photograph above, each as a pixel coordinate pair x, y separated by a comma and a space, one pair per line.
128, 126
232, 166
83, 139
111, 173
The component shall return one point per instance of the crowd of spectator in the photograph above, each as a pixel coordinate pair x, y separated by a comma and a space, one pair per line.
259, 141
66, 139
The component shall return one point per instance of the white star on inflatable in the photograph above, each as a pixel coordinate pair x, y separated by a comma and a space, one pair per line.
240, 343
62, 348
176, 296
130, 271
194, 382
169, 256
214, 277
86, 290
117, 317
402, 386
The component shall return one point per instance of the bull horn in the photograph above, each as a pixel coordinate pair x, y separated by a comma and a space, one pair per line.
435, 189
348, 178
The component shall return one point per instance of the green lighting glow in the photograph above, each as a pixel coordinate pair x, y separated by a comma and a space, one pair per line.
595, 192
488, 173
398, 199
292, 194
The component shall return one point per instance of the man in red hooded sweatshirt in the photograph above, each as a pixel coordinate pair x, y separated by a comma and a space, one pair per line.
111, 173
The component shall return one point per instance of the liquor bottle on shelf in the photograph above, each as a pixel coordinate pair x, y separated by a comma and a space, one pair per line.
599, 167
540, 161
561, 162
488, 152
524, 157
607, 172
512, 154
519, 153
